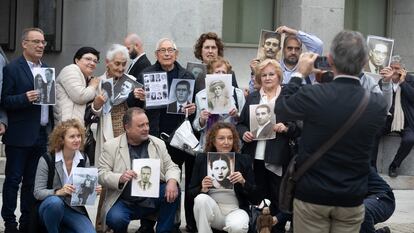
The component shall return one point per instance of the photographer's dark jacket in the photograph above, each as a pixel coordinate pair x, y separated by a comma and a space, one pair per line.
340, 177
245, 195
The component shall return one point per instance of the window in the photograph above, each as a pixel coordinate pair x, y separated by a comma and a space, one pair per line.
48, 16
8, 24
367, 16
244, 19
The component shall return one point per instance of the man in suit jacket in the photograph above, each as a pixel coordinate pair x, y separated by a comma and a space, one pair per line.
265, 128
332, 191
115, 175
26, 136
139, 60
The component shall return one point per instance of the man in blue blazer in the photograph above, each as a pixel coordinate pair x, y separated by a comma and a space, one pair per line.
26, 136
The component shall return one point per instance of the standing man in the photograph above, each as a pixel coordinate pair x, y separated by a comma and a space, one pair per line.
292, 48
26, 136
139, 60
115, 175
329, 196
3, 115
182, 92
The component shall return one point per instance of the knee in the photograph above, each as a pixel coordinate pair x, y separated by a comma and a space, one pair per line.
408, 138
238, 223
116, 220
200, 201
52, 204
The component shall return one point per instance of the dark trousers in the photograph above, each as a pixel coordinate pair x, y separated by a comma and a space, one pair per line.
378, 208
381, 132
121, 213
407, 143
21, 165
268, 184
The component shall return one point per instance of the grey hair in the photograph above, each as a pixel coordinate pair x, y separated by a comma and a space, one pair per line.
157, 46
27, 30
396, 59
349, 52
117, 48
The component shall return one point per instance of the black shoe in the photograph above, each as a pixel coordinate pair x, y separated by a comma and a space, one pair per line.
383, 230
145, 229
190, 228
176, 229
392, 171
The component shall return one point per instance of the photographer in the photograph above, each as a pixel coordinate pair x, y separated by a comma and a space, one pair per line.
329, 196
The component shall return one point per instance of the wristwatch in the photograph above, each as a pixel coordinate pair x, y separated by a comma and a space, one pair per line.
297, 74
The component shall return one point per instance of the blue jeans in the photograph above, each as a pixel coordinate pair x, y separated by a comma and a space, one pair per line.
121, 214
378, 208
58, 217
21, 165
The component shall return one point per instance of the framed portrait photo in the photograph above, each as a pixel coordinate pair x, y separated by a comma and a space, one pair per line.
123, 87
262, 119
219, 93
219, 167
181, 94
147, 183
379, 53
270, 45
44, 84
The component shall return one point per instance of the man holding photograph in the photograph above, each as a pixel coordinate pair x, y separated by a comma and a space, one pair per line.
115, 174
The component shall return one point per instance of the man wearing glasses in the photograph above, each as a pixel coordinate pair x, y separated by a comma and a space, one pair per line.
26, 135
160, 121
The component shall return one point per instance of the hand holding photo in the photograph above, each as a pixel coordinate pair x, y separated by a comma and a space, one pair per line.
85, 181
262, 119
157, 96
147, 183
219, 167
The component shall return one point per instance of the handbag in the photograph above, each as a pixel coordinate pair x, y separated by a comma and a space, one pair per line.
294, 173
183, 138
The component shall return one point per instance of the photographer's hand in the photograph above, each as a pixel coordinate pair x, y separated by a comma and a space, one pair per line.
305, 63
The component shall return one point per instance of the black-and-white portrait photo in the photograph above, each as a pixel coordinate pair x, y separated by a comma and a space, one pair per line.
198, 70
219, 93
219, 167
123, 87
85, 181
155, 83
44, 83
181, 94
262, 119
270, 45
379, 53
147, 183
107, 89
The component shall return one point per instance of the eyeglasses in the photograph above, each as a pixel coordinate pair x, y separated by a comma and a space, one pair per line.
165, 50
43, 42
89, 59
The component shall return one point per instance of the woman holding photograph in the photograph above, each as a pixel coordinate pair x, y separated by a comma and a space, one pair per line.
75, 86
270, 156
220, 170
222, 209
55, 212
204, 119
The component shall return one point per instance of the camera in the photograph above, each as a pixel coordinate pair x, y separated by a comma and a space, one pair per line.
322, 63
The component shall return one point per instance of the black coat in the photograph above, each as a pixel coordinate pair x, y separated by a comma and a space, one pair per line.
245, 194
139, 66
340, 177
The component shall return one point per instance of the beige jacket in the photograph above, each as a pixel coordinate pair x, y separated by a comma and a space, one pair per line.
72, 94
115, 159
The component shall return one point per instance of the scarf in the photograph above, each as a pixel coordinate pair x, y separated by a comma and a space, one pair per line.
398, 120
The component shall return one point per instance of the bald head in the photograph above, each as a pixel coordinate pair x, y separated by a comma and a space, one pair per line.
134, 44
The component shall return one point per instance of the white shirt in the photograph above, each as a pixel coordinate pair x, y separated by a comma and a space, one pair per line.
68, 178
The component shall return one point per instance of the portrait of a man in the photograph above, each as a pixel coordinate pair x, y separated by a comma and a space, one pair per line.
126, 88
263, 115
144, 183
182, 93
380, 51
269, 45
50, 88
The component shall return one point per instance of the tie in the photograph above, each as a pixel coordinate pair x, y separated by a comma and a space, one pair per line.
180, 108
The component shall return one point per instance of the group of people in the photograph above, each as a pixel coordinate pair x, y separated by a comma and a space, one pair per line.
335, 195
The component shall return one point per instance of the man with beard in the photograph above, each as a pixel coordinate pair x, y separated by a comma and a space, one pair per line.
139, 60
292, 48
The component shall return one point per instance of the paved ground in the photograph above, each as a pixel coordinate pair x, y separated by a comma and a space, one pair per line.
401, 222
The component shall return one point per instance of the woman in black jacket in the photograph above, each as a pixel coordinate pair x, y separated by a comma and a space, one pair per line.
218, 208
